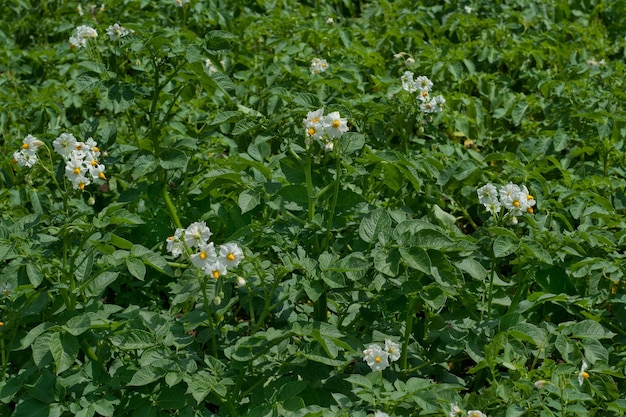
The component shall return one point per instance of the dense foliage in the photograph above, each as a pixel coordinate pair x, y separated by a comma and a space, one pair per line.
265, 211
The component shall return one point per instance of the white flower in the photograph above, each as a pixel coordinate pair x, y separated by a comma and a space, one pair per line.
468, 9
582, 375
409, 62
393, 350
230, 254
329, 146
241, 282
83, 33
510, 196
330, 21
423, 83
335, 125
408, 84
541, 383
86, 32
455, 410
313, 124
475, 413
205, 255
379, 413
197, 233
376, 357
217, 269
438, 102
79, 9
487, 194
209, 66
527, 201
318, 66
31, 143
64, 144
96, 170
592, 62
116, 32
24, 158
174, 244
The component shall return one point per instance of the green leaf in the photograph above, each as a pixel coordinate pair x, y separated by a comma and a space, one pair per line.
97, 286
504, 246
519, 111
416, 258
64, 350
589, 329
595, 351
31, 408
146, 375
291, 389
152, 259
375, 223
136, 267
248, 200
173, 159
132, 339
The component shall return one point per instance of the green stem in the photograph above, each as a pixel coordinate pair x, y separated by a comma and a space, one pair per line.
333, 205
170, 207
209, 313
410, 316
490, 294
309, 184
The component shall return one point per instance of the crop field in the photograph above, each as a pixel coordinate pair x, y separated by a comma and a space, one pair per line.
329, 208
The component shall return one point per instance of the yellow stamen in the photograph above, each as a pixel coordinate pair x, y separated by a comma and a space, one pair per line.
530, 197
216, 274
424, 93
315, 120
336, 124
377, 359
584, 375
96, 149
202, 255
530, 210
81, 186
79, 147
311, 131
25, 146
102, 176
516, 203
230, 257
93, 162
1, 323
76, 170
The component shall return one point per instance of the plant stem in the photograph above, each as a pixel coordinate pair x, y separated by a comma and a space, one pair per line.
333, 204
170, 207
309, 184
207, 309
410, 315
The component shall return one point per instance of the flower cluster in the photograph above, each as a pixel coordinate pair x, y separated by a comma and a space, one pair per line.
593, 63
194, 241
514, 198
423, 85
81, 160
115, 32
27, 155
378, 358
83, 34
318, 66
324, 128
